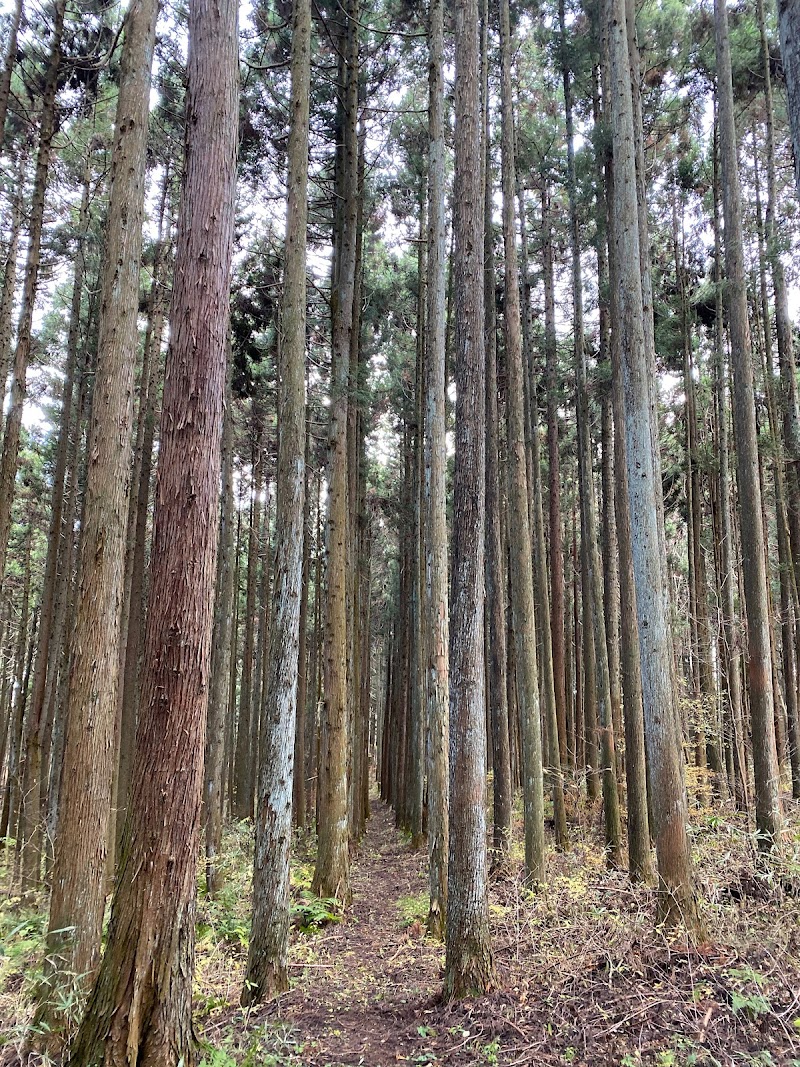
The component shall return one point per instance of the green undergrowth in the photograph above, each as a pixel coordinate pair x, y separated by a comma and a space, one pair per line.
267, 1045
22, 927
225, 917
413, 909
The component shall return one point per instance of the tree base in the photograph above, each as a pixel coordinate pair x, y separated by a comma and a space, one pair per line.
471, 975
677, 907
264, 983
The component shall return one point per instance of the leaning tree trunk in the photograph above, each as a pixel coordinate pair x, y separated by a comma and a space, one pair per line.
469, 967
267, 971
140, 1007
769, 814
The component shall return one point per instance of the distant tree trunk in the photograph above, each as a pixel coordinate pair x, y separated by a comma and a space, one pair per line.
135, 592
580, 661
313, 667
258, 708
267, 972
469, 967
300, 762
10, 276
219, 693
11, 800
550, 744
640, 867
727, 574
140, 1007
61, 543
332, 871
593, 599
243, 794
676, 898
434, 494
363, 696
55, 562
230, 732
789, 28
597, 694
519, 531
78, 898
495, 554
419, 634
8, 66
769, 814
13, 422
556, 541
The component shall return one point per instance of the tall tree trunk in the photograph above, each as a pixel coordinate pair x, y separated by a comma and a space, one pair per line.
520, 540
419, 634
140, 1008
676, 897
769, 814
332, 871
135, 589
267, 971
640, 866
78, 898
300, 763
55, 562
727, 573
556, 541
13, 791
550, 744
258, 709
495, 555
434, 491
469, 967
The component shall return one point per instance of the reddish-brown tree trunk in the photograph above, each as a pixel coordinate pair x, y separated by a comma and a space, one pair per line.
140, 1007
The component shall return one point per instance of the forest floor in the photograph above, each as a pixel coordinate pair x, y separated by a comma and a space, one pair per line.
583, 975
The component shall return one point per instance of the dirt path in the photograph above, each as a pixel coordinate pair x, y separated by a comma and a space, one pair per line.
364, 985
